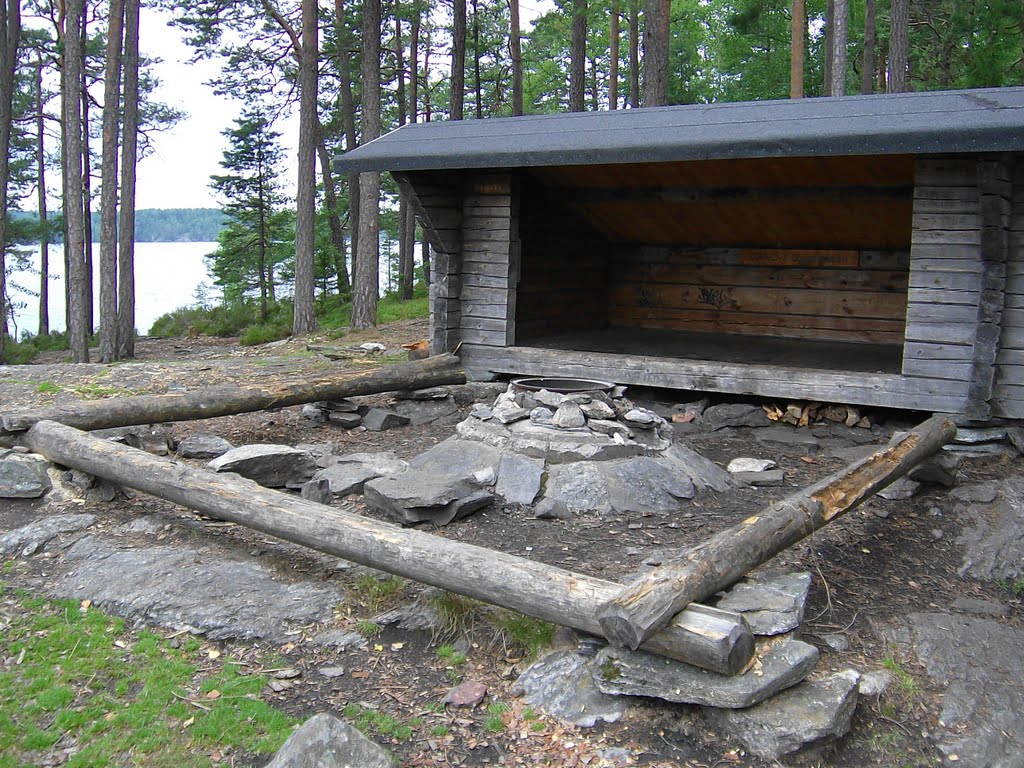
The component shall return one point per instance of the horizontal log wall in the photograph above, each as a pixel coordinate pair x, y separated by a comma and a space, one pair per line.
490, 260
436, 198
946, 276
1008, 399
839, 295
563, 283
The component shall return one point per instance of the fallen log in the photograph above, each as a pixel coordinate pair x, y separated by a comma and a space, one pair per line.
226, 400
644, 606
706, 637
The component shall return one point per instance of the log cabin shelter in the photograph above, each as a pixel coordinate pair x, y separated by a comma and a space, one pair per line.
865, 250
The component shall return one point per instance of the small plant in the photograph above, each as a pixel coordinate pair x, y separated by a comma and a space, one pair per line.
439, 730
610, 670
48, 387
529, 714
906, 681
520, 632
375, 593
368, 628
495, 722
459, 615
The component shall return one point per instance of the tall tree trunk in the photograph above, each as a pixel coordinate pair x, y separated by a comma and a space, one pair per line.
867, 74
405, 235
840, 38
515, 50
657, 14
304, 318
595, 96
348, 120
10, 39
414, 65
108, 193
634, 53
898, 35
830, 13
613, 57
477, 88
87, 180
333, 219
129, 158
426, 74
798, 35
578, 56
458, 69
74, 215
364, 304
44, 226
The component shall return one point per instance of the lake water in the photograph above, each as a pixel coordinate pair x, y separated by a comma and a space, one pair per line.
166, 277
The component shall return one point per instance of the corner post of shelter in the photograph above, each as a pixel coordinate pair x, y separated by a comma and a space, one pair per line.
436, 198
490, 260
995, 193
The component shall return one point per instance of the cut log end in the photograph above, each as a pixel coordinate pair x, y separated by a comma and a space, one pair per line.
619, 630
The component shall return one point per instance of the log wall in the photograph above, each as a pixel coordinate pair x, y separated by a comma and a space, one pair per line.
436, 197
1008, 400
490, 259
840, 295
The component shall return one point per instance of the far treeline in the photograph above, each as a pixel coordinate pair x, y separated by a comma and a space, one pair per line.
154, 225
355, 70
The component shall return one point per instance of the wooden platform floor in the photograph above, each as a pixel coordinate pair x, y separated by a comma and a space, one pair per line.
730, 348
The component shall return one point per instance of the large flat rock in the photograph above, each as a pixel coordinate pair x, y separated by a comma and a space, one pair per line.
777, 666
993, 540
562, 685
978, 661
272, 466
811, 713
195, 589
29, 539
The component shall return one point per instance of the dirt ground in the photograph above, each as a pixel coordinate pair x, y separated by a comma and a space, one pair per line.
883, 560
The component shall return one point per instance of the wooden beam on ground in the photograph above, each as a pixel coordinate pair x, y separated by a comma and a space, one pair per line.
229, 399
643, 607
706, 637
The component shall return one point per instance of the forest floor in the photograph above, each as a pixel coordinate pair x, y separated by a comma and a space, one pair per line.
882, 562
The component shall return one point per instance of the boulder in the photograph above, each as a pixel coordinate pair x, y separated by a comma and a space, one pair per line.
814, 712
425, 410
23, 476
317, 490
509, 413
379, 419
569, 416
562, 685
769, 478
552, 509
203, 446
324, 741
644, 484
457, 458
939, 469
597, 409
581, 486
749, 465
734, 415
519, 479
419, 495
778, 666
770, 606
344, 419
272, 466
703, 473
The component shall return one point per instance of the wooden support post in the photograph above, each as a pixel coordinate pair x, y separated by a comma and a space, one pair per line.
652, 600
706, 637
225, 400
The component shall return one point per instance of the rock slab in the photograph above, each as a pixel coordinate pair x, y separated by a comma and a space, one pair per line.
195, 589
981, 724
770, 606
324, 741
994, 540
562, 685
814, 712
272, 466
636, 673
23, 476
203, 446
29, 539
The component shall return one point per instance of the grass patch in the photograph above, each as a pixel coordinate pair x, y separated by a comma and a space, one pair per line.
495, 722
375, 723
374, 593
80, 677
517, 633
48, 388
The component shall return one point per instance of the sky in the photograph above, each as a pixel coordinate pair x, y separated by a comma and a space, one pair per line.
177, 173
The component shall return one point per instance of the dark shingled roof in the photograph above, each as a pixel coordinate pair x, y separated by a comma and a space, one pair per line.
990, 120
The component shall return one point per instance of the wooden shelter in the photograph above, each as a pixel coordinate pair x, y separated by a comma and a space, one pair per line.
866, 249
